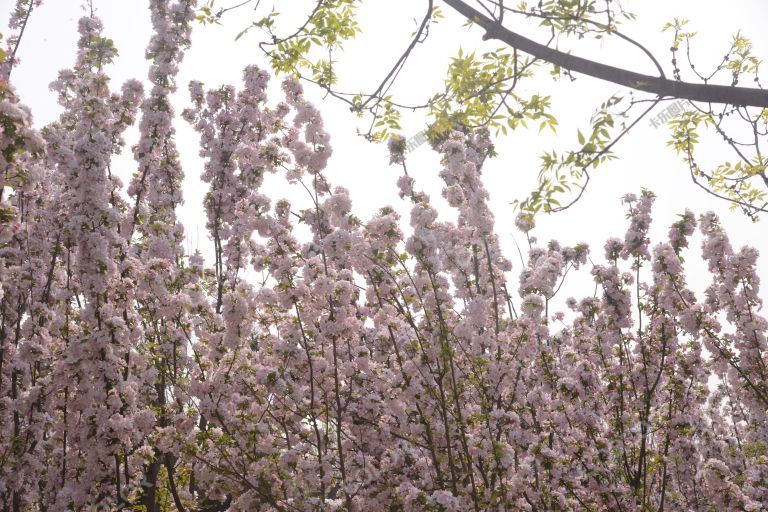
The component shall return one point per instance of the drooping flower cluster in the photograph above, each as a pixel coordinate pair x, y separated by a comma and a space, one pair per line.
319, 361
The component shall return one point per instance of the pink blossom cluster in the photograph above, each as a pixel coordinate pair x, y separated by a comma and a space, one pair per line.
319, 361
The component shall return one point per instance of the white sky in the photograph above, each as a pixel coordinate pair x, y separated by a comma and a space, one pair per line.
215, 58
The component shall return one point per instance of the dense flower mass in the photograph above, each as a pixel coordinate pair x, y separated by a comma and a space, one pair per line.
318, 361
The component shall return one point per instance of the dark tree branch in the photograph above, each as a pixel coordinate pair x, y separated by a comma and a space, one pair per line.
17, 43
660, 86
401, 61
612, 30
605, 150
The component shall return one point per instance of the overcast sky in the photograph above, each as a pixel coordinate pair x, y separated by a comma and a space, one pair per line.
215, 58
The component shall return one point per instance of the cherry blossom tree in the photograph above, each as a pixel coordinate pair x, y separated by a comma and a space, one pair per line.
318, 361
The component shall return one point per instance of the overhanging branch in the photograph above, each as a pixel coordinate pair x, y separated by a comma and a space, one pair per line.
743, 96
